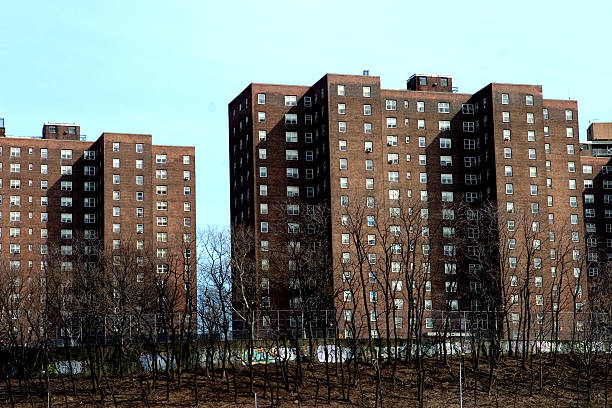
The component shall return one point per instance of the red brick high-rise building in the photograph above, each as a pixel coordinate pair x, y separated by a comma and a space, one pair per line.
472, 200
120, 195
596, 157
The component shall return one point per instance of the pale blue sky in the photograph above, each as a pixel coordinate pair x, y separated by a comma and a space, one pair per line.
170, 68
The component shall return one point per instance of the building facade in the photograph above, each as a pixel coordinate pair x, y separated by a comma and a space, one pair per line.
449, 201
66, 201
596, 157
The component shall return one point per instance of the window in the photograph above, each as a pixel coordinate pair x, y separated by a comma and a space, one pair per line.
391, 123
390, 104
531, 136
420, 106
66, 154
89, 170
341, 90
366, 90
569, 132
569, 114
391, 140
291, 154
532, 154
507, 152
505, 99
367, 110
421, 124
66, 170
468, 126
444, 125
443, 107
529, 100
115, 146
446, 161
290, 100
505, 117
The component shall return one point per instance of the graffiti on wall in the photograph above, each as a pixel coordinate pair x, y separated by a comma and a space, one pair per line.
162, 359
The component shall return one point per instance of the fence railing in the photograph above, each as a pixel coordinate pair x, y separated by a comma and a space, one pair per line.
293, 324
395, 325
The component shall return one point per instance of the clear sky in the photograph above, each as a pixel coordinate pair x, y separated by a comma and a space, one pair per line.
170, 68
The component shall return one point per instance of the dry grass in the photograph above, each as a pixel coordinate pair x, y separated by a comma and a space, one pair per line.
563, 386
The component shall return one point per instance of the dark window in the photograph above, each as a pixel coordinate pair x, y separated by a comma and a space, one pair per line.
422, 80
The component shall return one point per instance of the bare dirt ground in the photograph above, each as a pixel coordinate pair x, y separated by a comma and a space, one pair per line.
563, 385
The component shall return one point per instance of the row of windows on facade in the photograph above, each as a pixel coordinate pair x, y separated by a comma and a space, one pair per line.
445, 178
67, 250
446, 143
391, 104
90, 202
44, 153
91, 186
90, 154
67, 266
290, 100
452, 304
66, 233
447, 196
292, 191
290, 137
67, 170
15, 216
88, 186
445, 125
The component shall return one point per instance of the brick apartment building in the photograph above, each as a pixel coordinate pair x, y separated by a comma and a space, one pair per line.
407, 176
119, 193
596, 157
